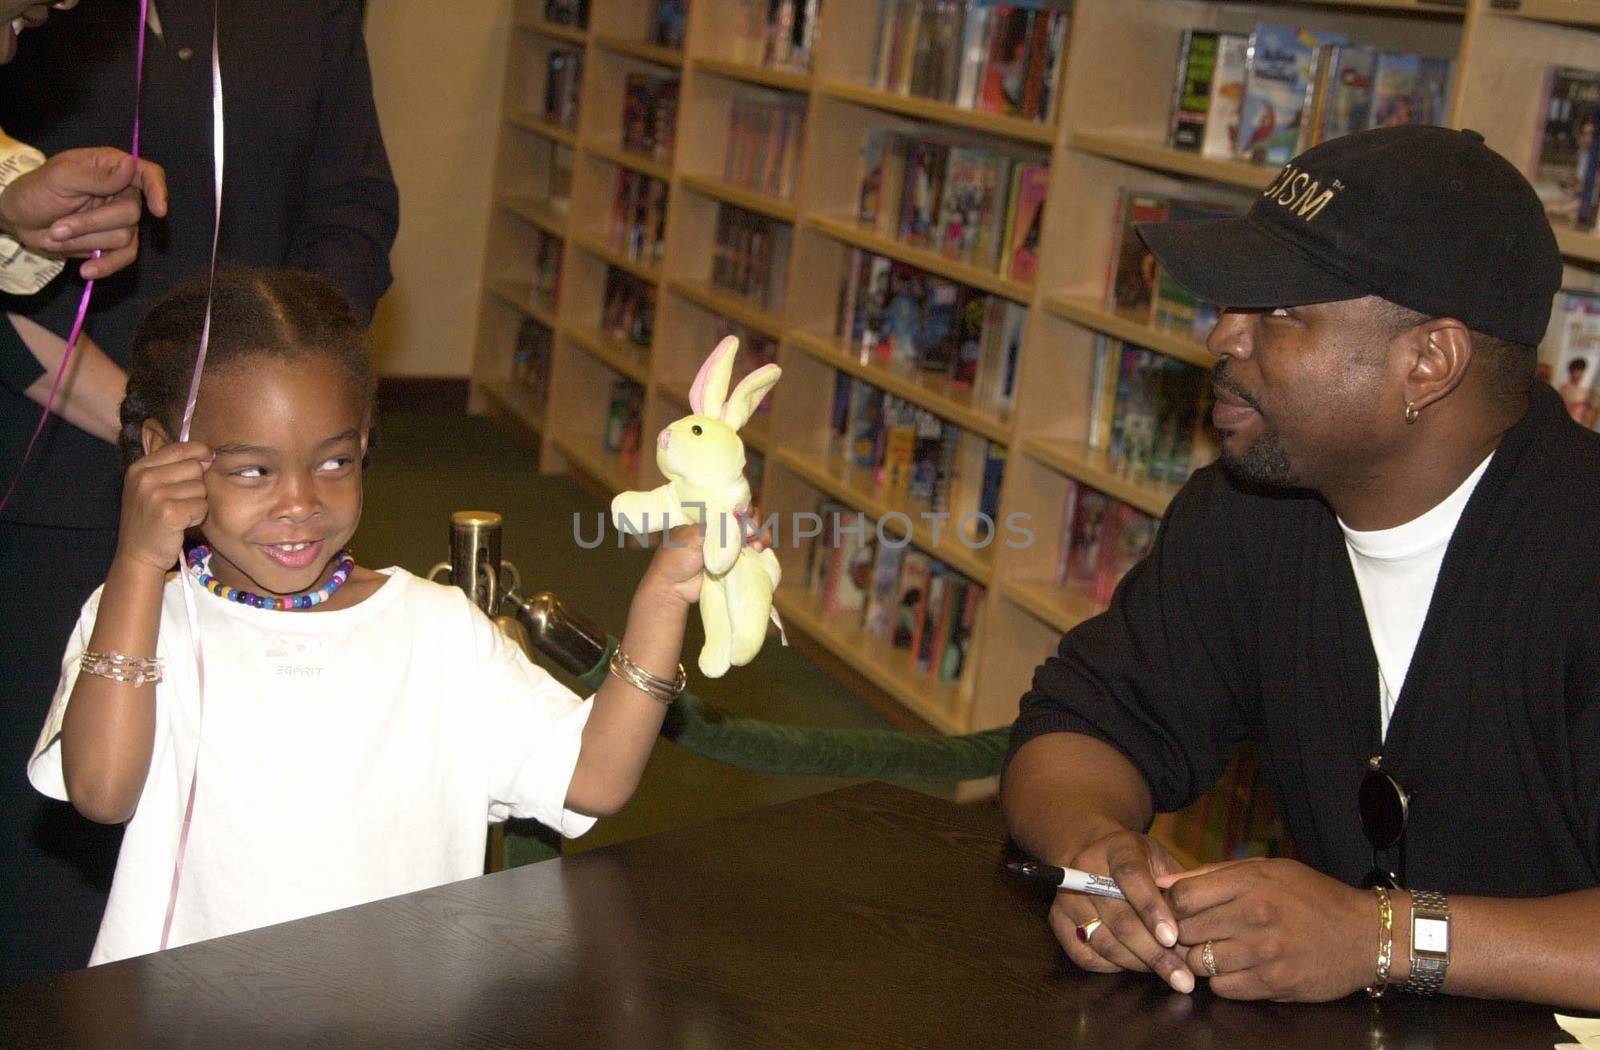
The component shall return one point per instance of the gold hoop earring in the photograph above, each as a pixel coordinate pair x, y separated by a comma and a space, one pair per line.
1412, 412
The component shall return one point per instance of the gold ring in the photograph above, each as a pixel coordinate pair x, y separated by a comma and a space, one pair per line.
1208, 957
1087, 930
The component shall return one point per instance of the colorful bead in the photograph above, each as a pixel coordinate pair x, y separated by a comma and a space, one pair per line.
199, 559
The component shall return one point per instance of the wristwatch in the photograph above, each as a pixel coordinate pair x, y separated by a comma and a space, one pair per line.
1430, 942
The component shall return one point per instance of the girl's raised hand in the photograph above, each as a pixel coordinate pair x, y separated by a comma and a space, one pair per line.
679, 564
163, 494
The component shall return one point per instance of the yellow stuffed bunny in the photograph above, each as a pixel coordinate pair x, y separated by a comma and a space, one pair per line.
702, 459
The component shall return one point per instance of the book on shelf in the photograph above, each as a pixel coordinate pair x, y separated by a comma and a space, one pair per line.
1208, 92
973, 204
1101, 539
628, 311
557, 183
668, 22
624, 419
1567, 147
563, 80
1191, 92
1409, 89
750, 255
1569, 355
546, 283
780, 34
915, 323
1136, 286
764, 135
530, 359
1149, 412
1283, 89
899, 596
639, 216
1282, 64
1342, 102
989, 57
1025, 221
649, 114
567, 12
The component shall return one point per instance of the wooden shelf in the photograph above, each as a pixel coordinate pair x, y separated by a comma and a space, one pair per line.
734, 307
555, 30
855, 487
590, 456
519, 294
852, 232
655, 54
539, 126
1077, 460
1578, 244
739, 196
933, 393
619, 356
643, 163
1160, 157
938, 703
596, 246
536, 212
1031, 131
781, 79
1092, 315
1110, 102
1450, 9
1582, 13
1061, 608
514, 398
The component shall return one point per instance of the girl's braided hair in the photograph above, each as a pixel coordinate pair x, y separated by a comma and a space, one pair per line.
279, 313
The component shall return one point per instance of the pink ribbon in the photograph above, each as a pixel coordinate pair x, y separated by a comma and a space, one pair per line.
88, 286
190, 585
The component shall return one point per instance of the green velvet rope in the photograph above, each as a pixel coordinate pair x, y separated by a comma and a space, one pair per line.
767, 747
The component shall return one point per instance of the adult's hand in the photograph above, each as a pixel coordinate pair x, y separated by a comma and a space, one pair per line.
1278, 930
17, 15
81, 201
1139, 935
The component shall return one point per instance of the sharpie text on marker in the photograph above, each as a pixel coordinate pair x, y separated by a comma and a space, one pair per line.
1069, 879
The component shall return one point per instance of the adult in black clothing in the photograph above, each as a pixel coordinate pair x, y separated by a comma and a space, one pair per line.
308, 185
1390, 585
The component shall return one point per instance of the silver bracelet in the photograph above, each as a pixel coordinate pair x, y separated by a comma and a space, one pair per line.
661, 689
119, 667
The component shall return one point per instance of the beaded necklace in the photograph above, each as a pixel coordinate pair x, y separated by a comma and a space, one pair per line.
199, 559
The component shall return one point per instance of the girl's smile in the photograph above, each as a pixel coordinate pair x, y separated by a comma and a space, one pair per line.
283, 490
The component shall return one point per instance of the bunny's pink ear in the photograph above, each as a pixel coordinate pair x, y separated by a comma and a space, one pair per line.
710, 387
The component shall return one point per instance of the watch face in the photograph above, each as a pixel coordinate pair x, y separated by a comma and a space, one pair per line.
1430, 935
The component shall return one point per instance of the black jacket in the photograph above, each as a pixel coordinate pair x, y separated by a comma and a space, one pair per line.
1245, 623
307, 184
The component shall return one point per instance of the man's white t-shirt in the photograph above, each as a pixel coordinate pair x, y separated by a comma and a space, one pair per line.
344, 757
1396, 570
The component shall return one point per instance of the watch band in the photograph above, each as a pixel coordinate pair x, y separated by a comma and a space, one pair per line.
1428, 967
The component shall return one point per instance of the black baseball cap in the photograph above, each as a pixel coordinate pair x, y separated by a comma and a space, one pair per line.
1427, 218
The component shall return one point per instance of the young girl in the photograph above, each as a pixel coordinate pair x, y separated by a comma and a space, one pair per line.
359, 727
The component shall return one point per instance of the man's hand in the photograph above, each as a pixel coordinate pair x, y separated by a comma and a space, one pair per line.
17, 15
1278, 929
81, 201
1138, 935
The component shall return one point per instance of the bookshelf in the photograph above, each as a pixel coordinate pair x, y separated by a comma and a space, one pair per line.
1107, 130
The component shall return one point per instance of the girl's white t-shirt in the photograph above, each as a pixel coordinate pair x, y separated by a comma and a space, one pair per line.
344, 757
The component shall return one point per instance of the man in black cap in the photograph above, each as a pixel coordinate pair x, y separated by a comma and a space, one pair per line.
1391, 586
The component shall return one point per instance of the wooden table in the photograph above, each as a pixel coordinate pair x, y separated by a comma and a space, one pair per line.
871, 917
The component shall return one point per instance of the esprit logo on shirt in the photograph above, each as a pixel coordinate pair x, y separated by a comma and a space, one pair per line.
1302, 194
